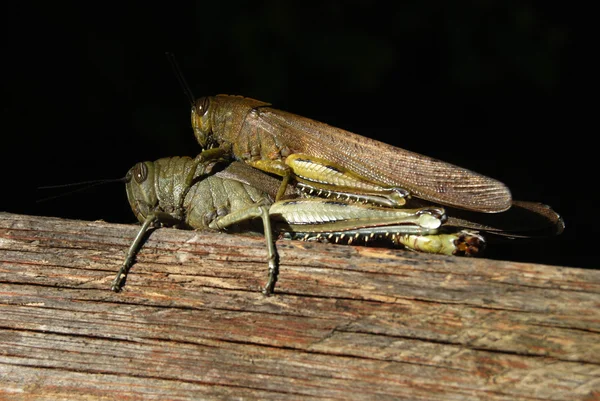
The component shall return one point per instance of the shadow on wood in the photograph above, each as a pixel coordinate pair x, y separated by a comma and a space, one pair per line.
345, 323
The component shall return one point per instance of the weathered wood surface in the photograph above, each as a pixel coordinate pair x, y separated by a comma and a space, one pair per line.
346, 323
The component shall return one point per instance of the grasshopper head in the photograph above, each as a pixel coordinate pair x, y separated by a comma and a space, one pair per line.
140, 189
201, 122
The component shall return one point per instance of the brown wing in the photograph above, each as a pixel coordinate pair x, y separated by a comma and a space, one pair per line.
425, 177
523, 220
248, 175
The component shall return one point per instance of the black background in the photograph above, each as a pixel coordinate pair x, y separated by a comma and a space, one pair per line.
490, 86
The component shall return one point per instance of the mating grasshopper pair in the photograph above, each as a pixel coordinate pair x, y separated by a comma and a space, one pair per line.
424, 203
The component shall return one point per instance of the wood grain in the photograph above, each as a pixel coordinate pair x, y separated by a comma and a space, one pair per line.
346, 322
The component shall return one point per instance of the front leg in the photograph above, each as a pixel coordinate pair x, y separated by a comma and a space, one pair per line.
151, 220
201, 166
208, 157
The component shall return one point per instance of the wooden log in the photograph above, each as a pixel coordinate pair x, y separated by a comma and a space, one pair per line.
346, 322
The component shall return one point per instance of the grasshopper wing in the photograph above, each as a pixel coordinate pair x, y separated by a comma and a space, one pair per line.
423, 176
248, 175
523, 220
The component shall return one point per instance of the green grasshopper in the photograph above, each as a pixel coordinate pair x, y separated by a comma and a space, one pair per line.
184, 193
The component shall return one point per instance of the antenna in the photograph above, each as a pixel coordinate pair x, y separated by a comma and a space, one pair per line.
84, 186
180, 78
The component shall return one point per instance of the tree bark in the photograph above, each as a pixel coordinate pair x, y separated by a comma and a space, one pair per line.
346, 322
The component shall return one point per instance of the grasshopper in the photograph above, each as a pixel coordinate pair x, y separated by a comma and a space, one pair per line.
185, 193
327, 158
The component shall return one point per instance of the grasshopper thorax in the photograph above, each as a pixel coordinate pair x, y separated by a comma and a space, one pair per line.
219, 120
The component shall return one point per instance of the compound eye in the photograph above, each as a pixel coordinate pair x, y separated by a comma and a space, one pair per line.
140, 172
202, 106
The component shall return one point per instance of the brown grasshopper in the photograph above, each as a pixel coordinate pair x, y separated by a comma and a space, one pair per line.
160, 193
328, 158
